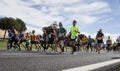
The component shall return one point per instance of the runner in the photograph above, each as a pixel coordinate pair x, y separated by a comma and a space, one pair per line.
27, 44
61, 35
74, 32
33, 39
79, 43
94, 45
114, 46
52, 35
66, 42
89, 43
38, 41
108, 43
118, 43
21, 39
99, 38
9, 43
15, 39
84, 43
45, 40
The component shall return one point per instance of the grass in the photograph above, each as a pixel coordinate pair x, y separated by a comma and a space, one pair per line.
3, 44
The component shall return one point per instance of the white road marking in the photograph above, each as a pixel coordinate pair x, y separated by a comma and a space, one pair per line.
94, 66
15, 54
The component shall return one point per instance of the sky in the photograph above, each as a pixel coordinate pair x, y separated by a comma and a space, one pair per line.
91, 15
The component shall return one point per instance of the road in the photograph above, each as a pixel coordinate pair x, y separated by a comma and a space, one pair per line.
41, 61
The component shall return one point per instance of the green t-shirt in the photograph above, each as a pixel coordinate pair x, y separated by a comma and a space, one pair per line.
61, 32
72, 31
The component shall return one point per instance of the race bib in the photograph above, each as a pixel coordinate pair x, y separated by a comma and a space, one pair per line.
99, 38
73, 37
49, 35
61, 34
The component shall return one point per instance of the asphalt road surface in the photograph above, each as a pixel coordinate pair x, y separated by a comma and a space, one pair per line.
41, 61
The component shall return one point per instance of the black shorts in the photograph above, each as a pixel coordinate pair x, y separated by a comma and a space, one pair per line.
99, 41
72, 39
84, 43
51, 41
108, 45
33, 42
89, 45
59, 38
118, 44
22, 40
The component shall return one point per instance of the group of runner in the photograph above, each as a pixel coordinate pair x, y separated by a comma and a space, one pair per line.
57, 38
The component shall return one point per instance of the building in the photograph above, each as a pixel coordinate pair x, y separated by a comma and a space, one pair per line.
2, 33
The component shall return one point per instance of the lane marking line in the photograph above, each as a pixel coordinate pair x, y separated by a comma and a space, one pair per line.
94, 66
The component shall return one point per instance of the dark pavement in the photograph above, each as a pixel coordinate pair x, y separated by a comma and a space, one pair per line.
41, 61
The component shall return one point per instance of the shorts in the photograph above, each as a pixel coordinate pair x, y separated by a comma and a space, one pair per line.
22, 40
84, 43
51, 41
118, 44
60, 38
33, 42
99, 41
72, 39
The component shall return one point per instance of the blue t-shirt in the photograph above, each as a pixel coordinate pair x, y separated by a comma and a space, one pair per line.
10, 35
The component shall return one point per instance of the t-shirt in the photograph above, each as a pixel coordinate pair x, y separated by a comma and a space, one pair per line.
61, 32
109, 41
27, 37
84, 40
33, 37
72, 31
10, 35
99, 36
45, 36
89, 40
21, 36
52, 33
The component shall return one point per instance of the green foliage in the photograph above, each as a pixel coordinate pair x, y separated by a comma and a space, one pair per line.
22, 26
48, 27
5, 23
9, 23
13, 23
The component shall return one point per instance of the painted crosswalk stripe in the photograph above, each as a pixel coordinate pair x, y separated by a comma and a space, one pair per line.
94, 66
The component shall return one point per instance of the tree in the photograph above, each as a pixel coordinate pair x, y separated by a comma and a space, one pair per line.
48, 27
9, 23
22, 26
6, 23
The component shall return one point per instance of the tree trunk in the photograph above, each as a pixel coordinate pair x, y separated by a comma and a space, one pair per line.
4, 35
